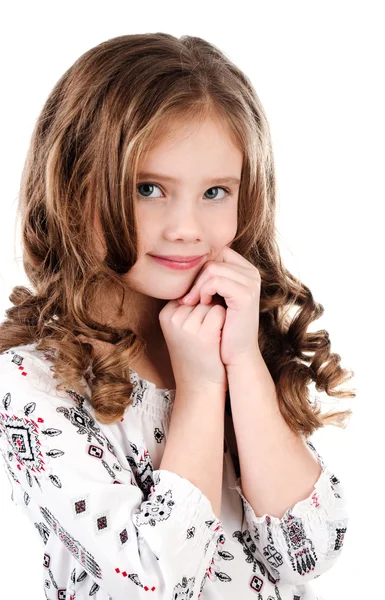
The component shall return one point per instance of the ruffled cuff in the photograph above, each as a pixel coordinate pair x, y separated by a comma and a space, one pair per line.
308, 539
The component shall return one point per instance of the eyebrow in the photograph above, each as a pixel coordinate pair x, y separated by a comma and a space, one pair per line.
146, 174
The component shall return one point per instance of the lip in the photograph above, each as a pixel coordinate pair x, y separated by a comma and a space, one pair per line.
176, 264
178, 257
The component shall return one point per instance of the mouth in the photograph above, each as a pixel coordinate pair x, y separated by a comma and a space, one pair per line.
176, 264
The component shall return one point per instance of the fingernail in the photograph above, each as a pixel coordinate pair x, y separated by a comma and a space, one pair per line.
187, 298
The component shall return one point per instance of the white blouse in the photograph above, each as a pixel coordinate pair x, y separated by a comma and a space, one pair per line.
112, 525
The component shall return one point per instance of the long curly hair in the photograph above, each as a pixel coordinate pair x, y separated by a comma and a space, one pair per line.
102, 114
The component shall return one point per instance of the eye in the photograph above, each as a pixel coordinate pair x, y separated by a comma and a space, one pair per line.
227, 193
146, 185
152, 185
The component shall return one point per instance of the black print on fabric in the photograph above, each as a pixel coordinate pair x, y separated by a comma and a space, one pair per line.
108, 469
46, 561
47, 586
23, 437
336, 530
77, 580
82, 576
141, 465
17, 359
272, 555
334, 481
43, 531
339, 539
73, 546
94, 588
155, 510
256, 583
85, 423
55, 585
318, 456
139, 389
221, 539
203, 582
207, 544
213, 571
277, 593
184, 590
250, 549
158, 435
300, 548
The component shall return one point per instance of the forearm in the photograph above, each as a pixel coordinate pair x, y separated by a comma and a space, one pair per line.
194, 447
277, 468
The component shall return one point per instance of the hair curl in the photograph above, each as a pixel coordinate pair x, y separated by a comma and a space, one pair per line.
102, 114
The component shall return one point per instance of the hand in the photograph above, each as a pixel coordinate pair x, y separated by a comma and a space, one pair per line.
192, 336
239, 283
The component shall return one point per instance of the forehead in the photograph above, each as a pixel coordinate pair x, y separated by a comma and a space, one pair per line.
182, 130
206, 145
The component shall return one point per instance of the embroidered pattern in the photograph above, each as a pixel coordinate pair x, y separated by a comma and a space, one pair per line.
34, 453
299, 547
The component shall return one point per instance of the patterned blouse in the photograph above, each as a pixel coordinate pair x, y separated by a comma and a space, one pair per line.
113, 526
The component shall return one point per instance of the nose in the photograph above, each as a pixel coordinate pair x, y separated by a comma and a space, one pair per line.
186, 219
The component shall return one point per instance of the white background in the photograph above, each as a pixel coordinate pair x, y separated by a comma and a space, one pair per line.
318, 69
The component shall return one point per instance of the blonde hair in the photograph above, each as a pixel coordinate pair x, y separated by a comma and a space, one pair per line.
101, 116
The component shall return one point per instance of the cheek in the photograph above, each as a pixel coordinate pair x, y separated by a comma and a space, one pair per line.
225, 229
228, 220
146, 227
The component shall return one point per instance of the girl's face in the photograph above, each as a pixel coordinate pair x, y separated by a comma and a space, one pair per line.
185, 207
189, 215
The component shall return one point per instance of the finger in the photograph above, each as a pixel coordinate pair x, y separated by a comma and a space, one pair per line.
236, 260
232, 257
234, 272
196, 317
232, 291
214, 320
182, 312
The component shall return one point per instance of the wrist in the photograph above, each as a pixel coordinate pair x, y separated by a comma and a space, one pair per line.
196, 392
245, 362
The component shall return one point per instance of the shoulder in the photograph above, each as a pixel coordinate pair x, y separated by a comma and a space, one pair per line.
25, 367
27, 377
18, 357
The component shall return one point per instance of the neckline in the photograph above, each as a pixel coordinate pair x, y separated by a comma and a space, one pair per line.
149, 398
170, 392
152, 385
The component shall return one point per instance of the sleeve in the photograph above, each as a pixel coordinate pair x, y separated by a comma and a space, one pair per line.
127, 543
307, 540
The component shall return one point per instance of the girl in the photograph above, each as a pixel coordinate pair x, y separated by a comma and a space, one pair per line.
150, 174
